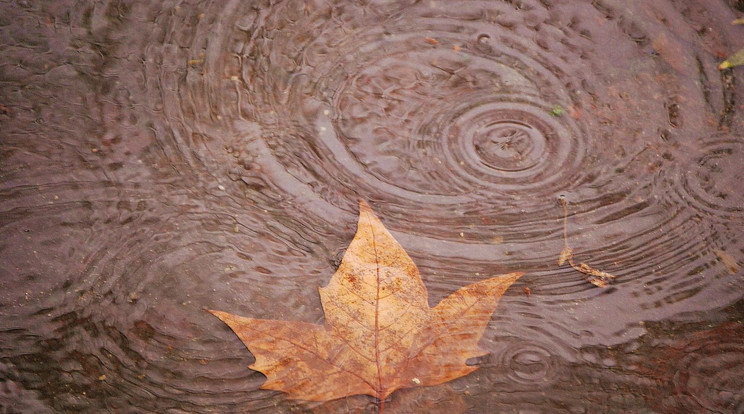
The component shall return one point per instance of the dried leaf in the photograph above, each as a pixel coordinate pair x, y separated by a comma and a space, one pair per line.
600, 278
380, 334
566, 254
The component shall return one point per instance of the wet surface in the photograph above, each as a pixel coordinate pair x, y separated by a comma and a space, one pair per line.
159, 159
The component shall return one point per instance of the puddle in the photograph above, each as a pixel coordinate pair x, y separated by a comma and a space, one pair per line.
161, 159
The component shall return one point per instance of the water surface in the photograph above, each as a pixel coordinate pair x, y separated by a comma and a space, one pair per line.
160, 158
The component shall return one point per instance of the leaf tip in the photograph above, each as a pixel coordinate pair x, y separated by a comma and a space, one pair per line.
514, 276
363, 206
219, 314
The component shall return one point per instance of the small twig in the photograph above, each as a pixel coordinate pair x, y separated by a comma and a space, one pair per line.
598, 277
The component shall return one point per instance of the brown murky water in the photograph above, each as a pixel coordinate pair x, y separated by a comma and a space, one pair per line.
159, 158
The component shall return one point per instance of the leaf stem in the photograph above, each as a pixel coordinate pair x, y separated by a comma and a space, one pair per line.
598, 277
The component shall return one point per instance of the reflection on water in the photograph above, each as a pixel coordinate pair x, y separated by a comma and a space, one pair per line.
159, 158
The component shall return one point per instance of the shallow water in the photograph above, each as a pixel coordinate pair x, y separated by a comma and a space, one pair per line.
160, 158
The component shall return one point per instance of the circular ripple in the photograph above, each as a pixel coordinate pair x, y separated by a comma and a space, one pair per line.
454, 115
507, 144
514, 147
711, 184
534, 359
529, 365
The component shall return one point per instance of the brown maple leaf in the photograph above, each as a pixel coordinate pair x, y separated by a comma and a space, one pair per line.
380, 334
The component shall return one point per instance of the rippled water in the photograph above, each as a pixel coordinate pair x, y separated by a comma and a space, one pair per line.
160, 158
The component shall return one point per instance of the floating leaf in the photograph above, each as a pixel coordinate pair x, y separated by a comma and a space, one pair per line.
380, 334
557, 110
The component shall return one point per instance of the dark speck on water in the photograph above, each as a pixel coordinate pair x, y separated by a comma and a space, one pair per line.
162, 158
